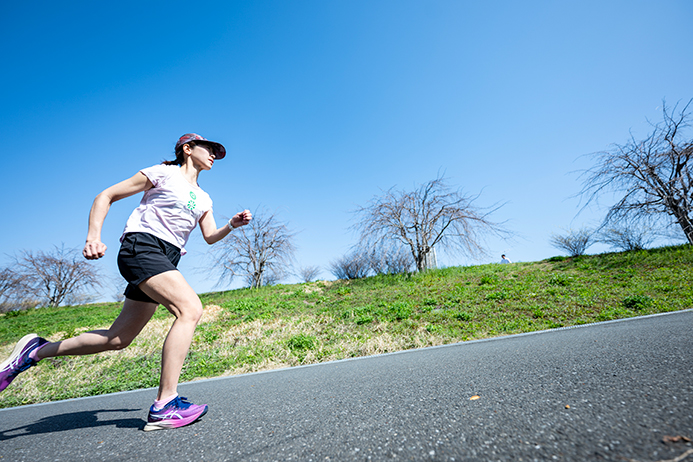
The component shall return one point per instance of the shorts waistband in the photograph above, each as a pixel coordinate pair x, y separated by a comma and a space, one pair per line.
166, 243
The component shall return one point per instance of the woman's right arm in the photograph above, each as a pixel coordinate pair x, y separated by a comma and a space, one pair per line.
94, 248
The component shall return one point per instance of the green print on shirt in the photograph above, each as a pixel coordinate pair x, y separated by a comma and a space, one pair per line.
191, 203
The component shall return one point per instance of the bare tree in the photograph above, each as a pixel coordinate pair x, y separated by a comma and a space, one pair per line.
9, 281
309, 273
389, 258
575, 242
627, 236
653, 176
432, 215
57, 276
11, 289
260, 252
118, 286
351, 266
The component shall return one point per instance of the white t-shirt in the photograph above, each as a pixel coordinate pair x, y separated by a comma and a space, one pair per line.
171, 209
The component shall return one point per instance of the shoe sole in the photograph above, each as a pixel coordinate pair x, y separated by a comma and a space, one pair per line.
23, 342
173, 423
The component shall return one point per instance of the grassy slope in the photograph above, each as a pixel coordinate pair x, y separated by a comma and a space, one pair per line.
250, 330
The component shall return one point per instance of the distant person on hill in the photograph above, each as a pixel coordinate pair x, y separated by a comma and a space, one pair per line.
504, 260
151, 246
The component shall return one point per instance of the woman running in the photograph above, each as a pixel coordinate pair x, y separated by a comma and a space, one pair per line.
151, 246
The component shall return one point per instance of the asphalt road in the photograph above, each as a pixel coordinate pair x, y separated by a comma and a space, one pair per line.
609, 391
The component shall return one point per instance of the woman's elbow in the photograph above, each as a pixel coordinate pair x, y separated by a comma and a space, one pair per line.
105, 198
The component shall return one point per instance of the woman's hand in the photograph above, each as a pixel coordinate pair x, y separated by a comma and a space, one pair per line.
241, 219
93, 250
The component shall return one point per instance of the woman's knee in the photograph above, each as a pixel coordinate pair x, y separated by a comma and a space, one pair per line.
191, 311
118, 342
196, 312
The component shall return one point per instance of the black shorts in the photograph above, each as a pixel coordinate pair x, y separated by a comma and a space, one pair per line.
141, 256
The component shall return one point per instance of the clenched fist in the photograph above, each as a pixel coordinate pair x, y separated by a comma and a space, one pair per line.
93, 250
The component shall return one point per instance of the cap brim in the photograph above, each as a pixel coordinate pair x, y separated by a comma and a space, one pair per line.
219, 150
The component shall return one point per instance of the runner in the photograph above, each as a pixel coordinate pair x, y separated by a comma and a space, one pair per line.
151, 246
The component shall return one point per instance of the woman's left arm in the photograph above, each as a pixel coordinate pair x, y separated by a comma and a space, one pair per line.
213, 234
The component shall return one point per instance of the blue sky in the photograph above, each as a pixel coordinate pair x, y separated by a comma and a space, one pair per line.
324, 104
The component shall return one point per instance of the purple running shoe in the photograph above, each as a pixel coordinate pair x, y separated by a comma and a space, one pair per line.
176, 413
20, 359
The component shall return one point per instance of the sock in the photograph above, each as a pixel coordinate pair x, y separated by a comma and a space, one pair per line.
159, 404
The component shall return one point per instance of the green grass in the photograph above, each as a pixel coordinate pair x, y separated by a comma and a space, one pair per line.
286, 325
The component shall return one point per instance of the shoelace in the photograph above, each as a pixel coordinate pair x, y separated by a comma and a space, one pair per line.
181, 402
24, 365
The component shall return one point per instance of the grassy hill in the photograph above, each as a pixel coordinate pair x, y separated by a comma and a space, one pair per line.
286, 325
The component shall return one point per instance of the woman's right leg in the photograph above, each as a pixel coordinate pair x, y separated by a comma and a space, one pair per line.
132, 319
181, 300
169, 409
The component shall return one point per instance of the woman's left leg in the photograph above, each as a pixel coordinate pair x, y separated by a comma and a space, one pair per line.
32, 348
132, 319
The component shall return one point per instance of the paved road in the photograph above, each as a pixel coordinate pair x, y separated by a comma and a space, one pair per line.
628, 384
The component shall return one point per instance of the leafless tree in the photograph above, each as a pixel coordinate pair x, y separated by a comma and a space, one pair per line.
653, 176
8, 283
627, 236
118, 286
351, 266
309, 273
260, 252
575, 242
11, 289
57, 276
389, 258
431, 215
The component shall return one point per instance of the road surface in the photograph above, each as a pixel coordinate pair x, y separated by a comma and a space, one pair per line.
608, 391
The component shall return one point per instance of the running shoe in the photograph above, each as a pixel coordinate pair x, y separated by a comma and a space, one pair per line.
20, 359
176, 413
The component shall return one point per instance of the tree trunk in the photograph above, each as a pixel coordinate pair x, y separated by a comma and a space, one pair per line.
420, 262
685, 222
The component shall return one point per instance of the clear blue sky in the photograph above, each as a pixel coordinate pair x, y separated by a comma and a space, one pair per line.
324, 104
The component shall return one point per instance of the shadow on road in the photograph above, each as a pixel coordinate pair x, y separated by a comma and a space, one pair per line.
71, 421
